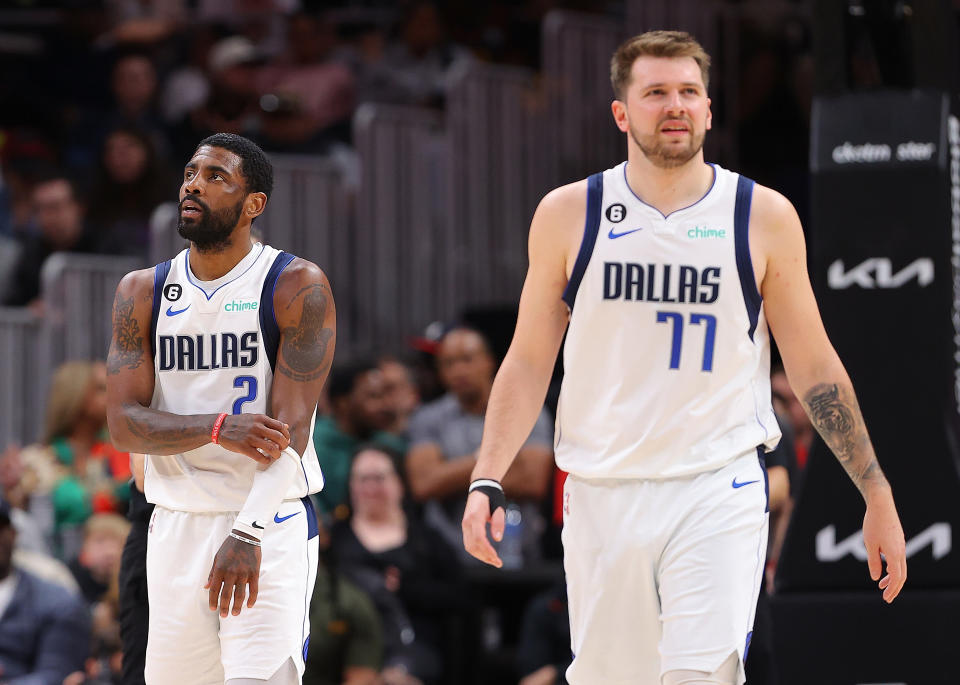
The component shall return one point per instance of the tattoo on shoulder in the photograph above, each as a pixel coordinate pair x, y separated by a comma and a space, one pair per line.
127, 348
305, 345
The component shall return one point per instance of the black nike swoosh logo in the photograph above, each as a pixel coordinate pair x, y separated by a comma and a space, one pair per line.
614, 236
254, 524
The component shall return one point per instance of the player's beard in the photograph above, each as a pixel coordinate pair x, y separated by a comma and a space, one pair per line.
665, 155
212, 231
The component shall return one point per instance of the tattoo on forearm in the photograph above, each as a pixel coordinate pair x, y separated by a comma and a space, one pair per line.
305, 345
836, 416
127, 348
165, 437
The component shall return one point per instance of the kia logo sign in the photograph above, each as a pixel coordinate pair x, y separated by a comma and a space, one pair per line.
877, 272
939, 537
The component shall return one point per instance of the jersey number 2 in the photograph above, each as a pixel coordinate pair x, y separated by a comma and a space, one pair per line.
251, 384
676, 318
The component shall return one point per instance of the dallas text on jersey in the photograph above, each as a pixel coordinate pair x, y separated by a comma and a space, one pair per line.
210, 351
660, 283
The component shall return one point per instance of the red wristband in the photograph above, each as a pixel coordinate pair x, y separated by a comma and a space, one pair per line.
217, 425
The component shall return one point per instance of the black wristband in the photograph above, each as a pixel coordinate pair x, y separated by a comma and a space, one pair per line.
494, 492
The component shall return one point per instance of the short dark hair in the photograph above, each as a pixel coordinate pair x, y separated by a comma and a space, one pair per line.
467, 328
50, 174
655, 44
254, 163
343, 378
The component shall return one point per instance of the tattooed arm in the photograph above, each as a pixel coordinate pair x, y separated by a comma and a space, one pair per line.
819, 378
306, 316
133, 425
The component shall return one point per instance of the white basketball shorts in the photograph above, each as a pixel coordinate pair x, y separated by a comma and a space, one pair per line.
187, 643
663, 575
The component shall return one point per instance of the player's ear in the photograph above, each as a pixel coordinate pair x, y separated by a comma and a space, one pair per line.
254, 205
619, 109
709, 115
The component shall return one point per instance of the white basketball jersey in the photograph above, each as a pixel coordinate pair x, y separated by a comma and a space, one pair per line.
667, 357
214, 350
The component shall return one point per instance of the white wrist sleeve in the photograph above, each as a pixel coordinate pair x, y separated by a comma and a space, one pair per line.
270, 486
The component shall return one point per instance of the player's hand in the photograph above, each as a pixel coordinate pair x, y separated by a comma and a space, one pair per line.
882, 534
255, 435
476, 516
236, 566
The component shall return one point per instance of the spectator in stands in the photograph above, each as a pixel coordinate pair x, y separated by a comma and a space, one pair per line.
402, 393
445, 435
134, 86
97, 566
411, 574
187, 87
15, 485
76, 471
59, 216
306, 97
786, 404
232, 105
132, 182
359, 413
44, 630
23, 154
423, 60
543, 652
346, 639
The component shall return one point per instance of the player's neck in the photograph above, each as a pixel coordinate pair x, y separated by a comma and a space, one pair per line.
669, 189
209, 266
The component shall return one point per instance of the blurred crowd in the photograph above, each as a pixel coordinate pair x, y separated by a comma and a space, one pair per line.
131, 86
397, 601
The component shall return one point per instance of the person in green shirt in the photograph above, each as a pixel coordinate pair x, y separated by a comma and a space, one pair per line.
360, 412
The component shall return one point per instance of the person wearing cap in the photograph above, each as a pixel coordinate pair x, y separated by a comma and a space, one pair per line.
44, 630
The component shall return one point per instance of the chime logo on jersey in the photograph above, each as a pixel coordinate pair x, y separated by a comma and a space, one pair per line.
241, 306
660, 283
204, 352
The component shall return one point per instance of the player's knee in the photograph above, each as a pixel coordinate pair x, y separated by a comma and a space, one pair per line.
285, 675
725, 675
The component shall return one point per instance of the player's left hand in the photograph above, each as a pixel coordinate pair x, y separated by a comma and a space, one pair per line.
236, 565
476, 516
883, 535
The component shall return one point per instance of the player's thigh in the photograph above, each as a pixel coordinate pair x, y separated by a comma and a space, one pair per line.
710, 570
609, 559
257, 642
183, 646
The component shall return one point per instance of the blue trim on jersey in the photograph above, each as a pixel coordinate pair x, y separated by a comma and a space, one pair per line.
268, 318
762, 458
667, 216
313, 528
160, 273
741, 235
590, 229
186, 268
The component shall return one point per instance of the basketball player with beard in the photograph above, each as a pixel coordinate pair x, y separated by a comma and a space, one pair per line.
215, 368
671, 273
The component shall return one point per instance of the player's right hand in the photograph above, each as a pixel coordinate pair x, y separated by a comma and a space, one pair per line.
257, 436
476, 515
